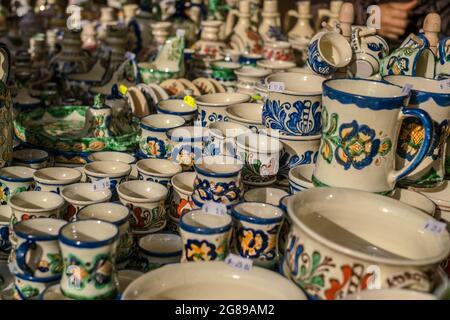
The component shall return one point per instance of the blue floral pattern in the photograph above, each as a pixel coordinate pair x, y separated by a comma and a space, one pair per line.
213, 117
154, 147
5, 244
288, 161
221, 192
316, 62
186, 154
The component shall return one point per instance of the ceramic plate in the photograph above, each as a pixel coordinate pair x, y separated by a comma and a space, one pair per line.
173, 87
204, 85
219, 88
189, 85
160, 92
211, 281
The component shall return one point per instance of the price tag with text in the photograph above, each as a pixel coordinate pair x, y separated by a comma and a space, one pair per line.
239, 262
407, 88
444, 84
102, 184
217, 209
276, 86
180, 33
190, 101
435, 226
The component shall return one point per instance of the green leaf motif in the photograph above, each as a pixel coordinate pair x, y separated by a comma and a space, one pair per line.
333, 124
326, 150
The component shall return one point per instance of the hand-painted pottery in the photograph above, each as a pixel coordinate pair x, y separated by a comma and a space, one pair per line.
296, 110
14, 180
160, 249
5, 243
300, 178
33, 158
441, 198
54, 179
187, 144
223, 138
53, 292
30, 288
218, 179
390, 294
157, 170
116, 171
250, 59
395, 247
261, 156
223, 72
126, 277
414, 199
37, 251
33, 204
181, 200
173, 224
278, 50
271, 196
80, 195
443, 59
211, 107
361, 123
206, 237
177, 107
6, 117
248, 77
146, 201
246, 114
154, 142
327, 52
427, 95
89, 249
275, 66
118, 215
284, 232
115, 156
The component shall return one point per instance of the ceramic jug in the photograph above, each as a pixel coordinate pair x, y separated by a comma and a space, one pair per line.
302, 28
443, 61
6, 121
332, 14
270, 28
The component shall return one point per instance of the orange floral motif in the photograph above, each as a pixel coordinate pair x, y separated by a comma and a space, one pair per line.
352, 280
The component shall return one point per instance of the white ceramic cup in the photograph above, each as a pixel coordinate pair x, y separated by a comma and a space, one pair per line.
54, 179
160, 249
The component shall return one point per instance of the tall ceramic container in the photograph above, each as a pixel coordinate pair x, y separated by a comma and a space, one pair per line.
6, 123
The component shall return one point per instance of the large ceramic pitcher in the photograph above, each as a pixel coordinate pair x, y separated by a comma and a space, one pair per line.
360, 126
6, 124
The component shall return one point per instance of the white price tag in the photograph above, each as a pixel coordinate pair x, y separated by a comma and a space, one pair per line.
444, 84
130, 55
239, 262
217, 209
407, 88
102, 184
435, 226
276, 86
180, 33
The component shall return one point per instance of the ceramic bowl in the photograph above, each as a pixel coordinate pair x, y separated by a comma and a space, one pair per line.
32, 158
118, 215
223, 138
211, 107
32, 204
5, 243
387, 240
54, 179
14, 180
275, 65
146, 202
390, 294
153, 142
160, 249
271, 196
246, 114
177, 107
157, 170
80, 195
181, 200
248, 77
300, 178
206, 237
414, 199
200, 281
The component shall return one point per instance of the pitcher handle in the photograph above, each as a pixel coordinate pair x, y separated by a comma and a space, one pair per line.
427, 124
442, 53
5, 60
287, 19
21, 254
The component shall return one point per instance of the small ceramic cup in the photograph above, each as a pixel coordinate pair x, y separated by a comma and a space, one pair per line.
159, 249
154, 142
205, 237
278, 51
14, 180
177, 107
218, 179
222, 139
80, 195
115, 156
146, 201
116, 214
247, 114
181, 200
54, 179
32, 158
116, 171
30, 288
157, 170
261, 155
89, 249
256, 231
250, 59
5, 243
300, 178
248, 77
271, 196
37, 251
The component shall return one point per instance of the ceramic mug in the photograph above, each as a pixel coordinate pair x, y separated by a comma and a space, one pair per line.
426, 95
357, 149
269, 195
205, 237
296, 110
256, 227
246, 114
14, 180
177, 107
278, 50
157, 170
248, 77
89, 249
37, 251
115, 156
5, 242
32, 158
30, 288
181, 200
222, 140
160, 249
54, 179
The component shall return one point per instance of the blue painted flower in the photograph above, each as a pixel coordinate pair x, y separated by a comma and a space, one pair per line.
397, 65
200, 250
4, 193
252, 243
288, 161
218, 192
156, 147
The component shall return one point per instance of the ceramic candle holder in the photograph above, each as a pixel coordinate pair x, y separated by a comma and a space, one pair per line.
89, 249
157, 170
181, 200
5, 242
118, 215
80, 195
223, 138
14, 180
146, 201
37, 251
54, 179
271, 196
177, 107
256, 226
154, 142
160, 249
218, 179
205, 237
30, 288
116, 171
248, 77
246, 114
32, 158
211, 107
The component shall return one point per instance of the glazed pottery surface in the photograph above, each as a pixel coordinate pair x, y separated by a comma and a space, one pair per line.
157, 170
5, 242
414, 199
183, 187
160, 249
30, 288
177, 107
246, 114
223, 138
271, 196
14, 180
54, 179
248, 77
33, 158
300, 178
390, 294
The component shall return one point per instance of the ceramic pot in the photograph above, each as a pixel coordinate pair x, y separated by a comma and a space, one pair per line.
54, 179
415, 199
246, 114
222, 139
443, 61
115, 156
158, 170
177, 107
32, 158
183, 187
14, 180
248, 77
275, 66
160, 249
271, 196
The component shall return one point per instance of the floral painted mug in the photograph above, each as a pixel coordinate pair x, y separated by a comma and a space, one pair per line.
14, 180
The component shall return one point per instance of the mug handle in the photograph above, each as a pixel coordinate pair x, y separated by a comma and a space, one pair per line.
21, 253
442, 53
427, 124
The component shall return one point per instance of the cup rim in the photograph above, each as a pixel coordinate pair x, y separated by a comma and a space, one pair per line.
48, 237
140, 164
11, 179
160, 254
36, 176
203, 230
229, 111
205, 173
341, 40
132, 158
160, 107
256, 220
240, 97
41, 158
129, 198
125, 170
118, 222
181, 122
57, 197
178, 188
88, 244
107, 194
